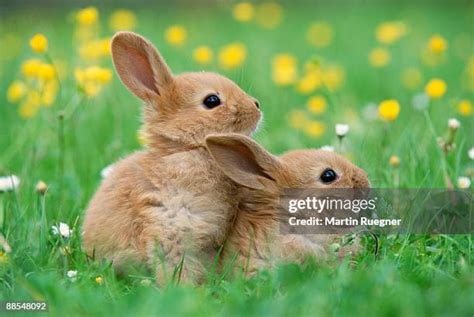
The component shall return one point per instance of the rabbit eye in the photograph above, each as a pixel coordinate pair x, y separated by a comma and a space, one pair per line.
211, 101
328, 176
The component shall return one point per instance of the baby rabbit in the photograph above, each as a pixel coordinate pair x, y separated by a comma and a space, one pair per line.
169, 200
254, 238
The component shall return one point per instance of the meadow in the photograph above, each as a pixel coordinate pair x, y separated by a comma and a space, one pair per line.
400, 76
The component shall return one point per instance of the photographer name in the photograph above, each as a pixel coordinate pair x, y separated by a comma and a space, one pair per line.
344, 222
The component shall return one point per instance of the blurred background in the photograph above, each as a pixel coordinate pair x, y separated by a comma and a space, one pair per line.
393, 71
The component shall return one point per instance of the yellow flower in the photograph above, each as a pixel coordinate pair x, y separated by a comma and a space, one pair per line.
46, 72
284, 69
389, 109
16, 91
30, 67
94, 50
232, 55
39, 43
298, 119
315, 129
243, 12
317, 104
87, 16
435, 88
269, 15
437, 44
176, 35
465, 107
390, 32
29, 108
411, 78
122, 20
92, 79
99, 280
394, 161
311, 80
333, 77
319, 34
203, 55
379, 57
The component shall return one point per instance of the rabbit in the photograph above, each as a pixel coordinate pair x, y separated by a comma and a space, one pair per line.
167, 206
254, 241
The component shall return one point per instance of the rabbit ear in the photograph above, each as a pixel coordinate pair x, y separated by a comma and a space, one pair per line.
243, 160
139, 65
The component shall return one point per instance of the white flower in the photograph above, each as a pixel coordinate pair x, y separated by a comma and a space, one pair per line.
464, 182
72, 275
63, 229
470, 153
327, 148
9, 183
454, 123
106, 171
420, 101
342, 129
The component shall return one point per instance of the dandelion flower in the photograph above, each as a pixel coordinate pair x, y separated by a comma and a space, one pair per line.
379, 57
311, 81
454, 124
16, 91
284, 69
315, 129
394, 161
243, 12
465, 107
232, 55
411, 78
9, 183
320, 34
87, 16
464, 182
39, 43
435, 88
30, 67
317, 104
437, 44
176, 35
342, 129
470, 153
389, 109
390, 32
99, 280
269, 15
63, 230
203, 55
46, 72
122, 20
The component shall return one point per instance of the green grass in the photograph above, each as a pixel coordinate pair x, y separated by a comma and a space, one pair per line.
412, 275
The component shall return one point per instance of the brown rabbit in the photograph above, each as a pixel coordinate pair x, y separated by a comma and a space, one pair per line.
261, 177
170, 200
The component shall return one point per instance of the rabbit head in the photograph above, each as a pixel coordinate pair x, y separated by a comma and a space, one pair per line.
251, 166
180, 109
